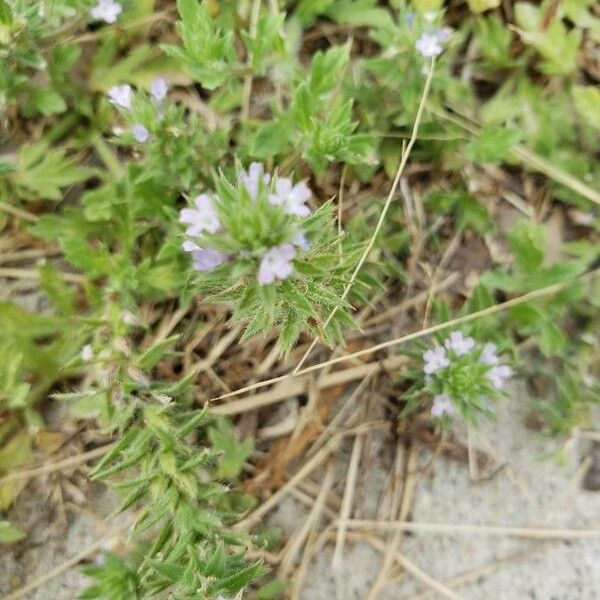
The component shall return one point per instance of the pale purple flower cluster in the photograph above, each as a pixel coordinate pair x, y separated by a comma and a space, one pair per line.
276, 262
435, 360
455, 346
488, 354
202, 217
140, 133
159, 89
431, 43
253, 179
442, 405
106, 10
460, 344
204, 259
498, 375
292, 198
121, 96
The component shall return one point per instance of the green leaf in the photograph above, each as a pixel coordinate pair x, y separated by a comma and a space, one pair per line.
552, 339
60, 293
327, 68
241, 578
270, 139
45, 101
528, 243
42, 172
6, 17
587, 104
361, 13
156, 352
492, 144
208, 52
479, 6
273, 589
233, 452
9, 534
555, 43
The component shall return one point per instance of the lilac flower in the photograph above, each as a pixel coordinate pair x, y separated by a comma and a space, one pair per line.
488, 355
251, 180
301, 241
189, 246
444, 34
291, 197
207, 259
429, 45
498, 375
430, 42
459, 343
442, 405
276, 264
201, 218
106, 10
159, 89
120, 95
435, 360
140, 133
409, 18
204, 259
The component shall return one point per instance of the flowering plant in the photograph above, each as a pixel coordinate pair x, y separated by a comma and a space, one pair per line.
257, 243
172, 141
461, 375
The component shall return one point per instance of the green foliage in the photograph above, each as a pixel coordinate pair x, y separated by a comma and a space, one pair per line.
318, 123
42, 173
539, 318
492, 145
252, 225
168, 463
25, 29
325, 94
114, 580
207, 52
233, 453
461, 375
587, 104
480, 6
9, 534
556, 44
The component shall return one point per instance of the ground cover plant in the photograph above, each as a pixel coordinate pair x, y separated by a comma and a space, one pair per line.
201, 200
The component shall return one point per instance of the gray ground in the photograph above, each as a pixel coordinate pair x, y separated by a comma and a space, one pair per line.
548, 493
53, 538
